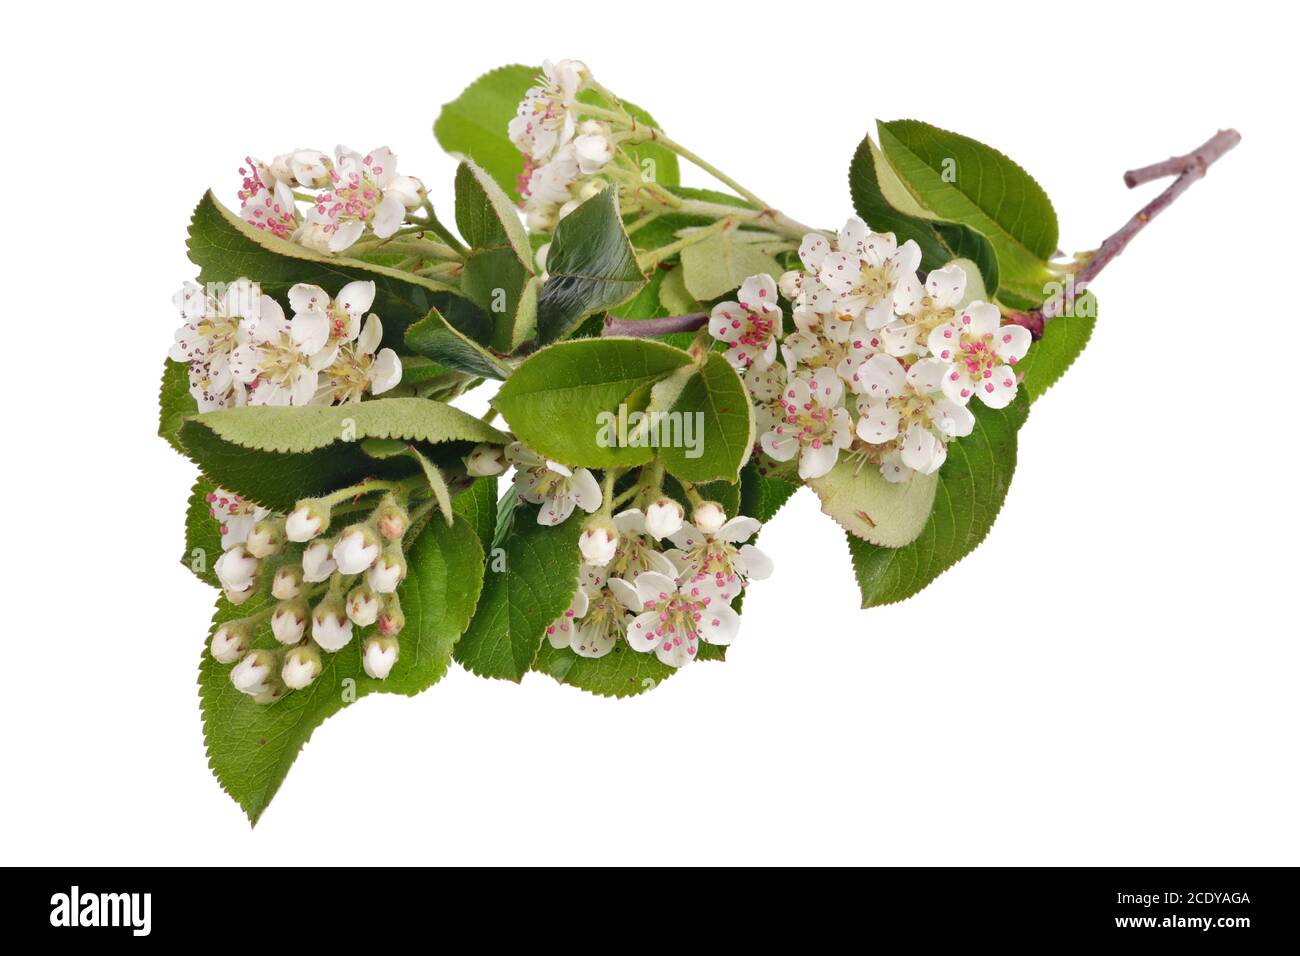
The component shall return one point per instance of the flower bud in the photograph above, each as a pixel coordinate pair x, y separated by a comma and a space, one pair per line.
237, 569
309, 518
270, 692
317, 565
302, 665
253, 674
239, 597
391, 619
287, 583
598, 542
231, 641
664, 517
281, 169
709, 517
378, 656
289, 621
362, 605
388, 571
356, 549
391, 519
310, 167
330, 627
540, 218
266, 538
485, 461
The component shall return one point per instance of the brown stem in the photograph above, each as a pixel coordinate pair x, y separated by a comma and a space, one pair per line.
1188, 168
647, 328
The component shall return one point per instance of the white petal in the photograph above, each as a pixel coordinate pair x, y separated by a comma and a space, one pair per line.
738, 529
946, 286
817, 461
758, 566
585, 490
386, 372
625, 594
999, 389
719, 624
641, 632
980, 318
356, 297
813, 250
630, 521
881, 375
554, 509
304, 297
878, 422
1012, 342
371, 335
922, 451
309, 331
653, 586
758, 293
727, 322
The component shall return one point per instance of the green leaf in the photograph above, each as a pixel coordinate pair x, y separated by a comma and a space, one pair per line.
202, 534
499, 276
645, 304
521, 595
559, 400
622, 672
762, 496
1064, 337
435, 338
973, 483
720, 263
382, 448
251, 746
592, 267
712, 409
276, 455
175, 403
478, 505
956, 178
863, 503
871, 176
674, 297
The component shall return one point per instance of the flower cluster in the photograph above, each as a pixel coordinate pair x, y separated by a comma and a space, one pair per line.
242, 350
562, 155
353, 192
337, 583
911, 355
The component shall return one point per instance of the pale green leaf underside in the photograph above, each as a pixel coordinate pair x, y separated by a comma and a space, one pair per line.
863, 503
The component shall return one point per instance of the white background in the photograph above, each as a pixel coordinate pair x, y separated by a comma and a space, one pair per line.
1109, 679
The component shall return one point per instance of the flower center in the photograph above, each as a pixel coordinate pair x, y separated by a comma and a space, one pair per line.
809, 421
679, 617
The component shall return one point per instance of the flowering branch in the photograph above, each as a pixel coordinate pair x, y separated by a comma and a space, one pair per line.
1188, 168
648, 328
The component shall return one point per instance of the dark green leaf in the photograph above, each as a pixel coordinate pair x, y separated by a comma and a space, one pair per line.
1064, 337
712, 408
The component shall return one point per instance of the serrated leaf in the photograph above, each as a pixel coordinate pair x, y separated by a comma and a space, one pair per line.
175, 403
437, 339
522, 595
716, 265
712, 417
1064, 337
557, 401
276, 455
956, 178
592, 267
202, 534
762, 496
382, 448
972, 485
478, 505
622, 672
674, 297
251, 746
863, 503
888, 209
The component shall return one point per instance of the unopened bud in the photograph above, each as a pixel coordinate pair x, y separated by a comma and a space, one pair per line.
287, 583
309, 518
253, 674
317, 565
391, 519
330, 627
598, 542
391, 619
302, 665
271, 691
388, 571
237, 598
664, 517
709, 517
237, 569
231, 641
378, 656
485, 461
356, 549
266, 538
362, 605
289, 621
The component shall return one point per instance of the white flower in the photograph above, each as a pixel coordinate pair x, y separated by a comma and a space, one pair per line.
636, 551
980, 352
675, 619
343, 313
310, 167
212, 328
805, 291
815, 425
358, 368
548, 483
922, 307
356, 549
751, 326
330, 626
307, 520
909, 411
378, 656
230, 642
363, 606
317, 565
551, 183
366, 191
253, 674
560, 631
236, 516
302, 665
598, 616
598, 543
266, 201
485, 461
712, 558
236, 569
664, 517
545, 119
289, 621
592, 148
387, 572
863, 274
278, 362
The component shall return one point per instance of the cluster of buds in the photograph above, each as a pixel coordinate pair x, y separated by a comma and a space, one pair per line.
911, 355
342, 582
